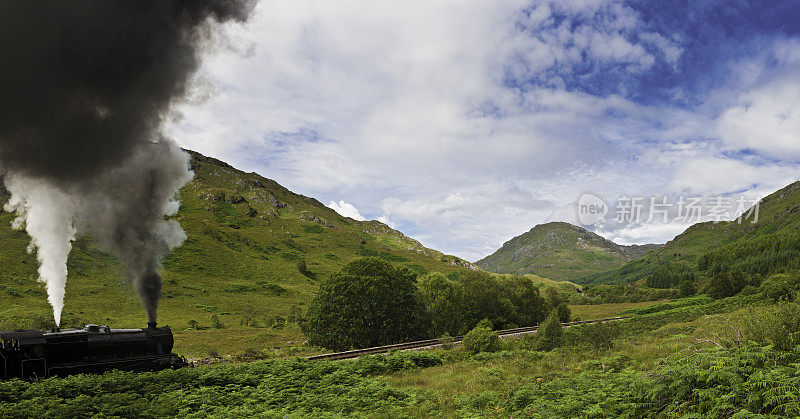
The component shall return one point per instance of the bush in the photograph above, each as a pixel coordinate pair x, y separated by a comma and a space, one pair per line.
687, 288
216, 323
749, 290
780, 287
239, 288
596, 335
550, 334
481, 339
485, 323
446, 341
302, 267
778, 325
248, 316
563, 312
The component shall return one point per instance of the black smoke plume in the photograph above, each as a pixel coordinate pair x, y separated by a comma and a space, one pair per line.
85, 88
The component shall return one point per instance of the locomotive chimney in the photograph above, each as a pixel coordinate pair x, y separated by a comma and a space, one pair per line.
151, 325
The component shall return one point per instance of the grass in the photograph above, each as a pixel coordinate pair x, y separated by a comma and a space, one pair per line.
246, 235
575, 380
487, 385
602, 311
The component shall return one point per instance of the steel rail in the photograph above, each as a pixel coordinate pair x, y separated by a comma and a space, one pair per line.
354, 353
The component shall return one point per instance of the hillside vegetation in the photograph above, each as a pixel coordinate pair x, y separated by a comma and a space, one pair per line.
767, 246
560, 251
255, 255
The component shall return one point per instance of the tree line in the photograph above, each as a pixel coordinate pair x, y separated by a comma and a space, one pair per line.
372, 302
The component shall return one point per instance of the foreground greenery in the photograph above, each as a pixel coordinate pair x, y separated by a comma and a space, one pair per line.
696, 356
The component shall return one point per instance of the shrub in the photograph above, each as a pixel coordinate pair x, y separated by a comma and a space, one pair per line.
485, 323
302, 267
596, 335
239, 288
273, 289
248, 316
446, 341
563, 312
778, 325
295, 314
550, 334
780, 287
719, 286
481, 339
749, 290
313, 229
216, 323
687, 288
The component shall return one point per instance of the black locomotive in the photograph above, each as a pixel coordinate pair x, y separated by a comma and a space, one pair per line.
31, 353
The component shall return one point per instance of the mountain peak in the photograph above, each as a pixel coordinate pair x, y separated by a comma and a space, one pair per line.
560, 251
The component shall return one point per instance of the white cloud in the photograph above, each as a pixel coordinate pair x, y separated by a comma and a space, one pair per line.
458, 122
384, 219
346, 209
713, 175
766, 119
670, 50
648, 233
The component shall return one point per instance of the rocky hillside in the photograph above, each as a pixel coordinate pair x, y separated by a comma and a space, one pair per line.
560, 251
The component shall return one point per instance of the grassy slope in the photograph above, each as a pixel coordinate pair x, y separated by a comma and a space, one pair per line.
780, 211
246, 235
560, 251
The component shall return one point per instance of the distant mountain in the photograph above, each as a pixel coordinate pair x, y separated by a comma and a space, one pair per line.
778, 218
560, 251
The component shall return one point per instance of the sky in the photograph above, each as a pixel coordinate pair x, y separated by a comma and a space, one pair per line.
466, 123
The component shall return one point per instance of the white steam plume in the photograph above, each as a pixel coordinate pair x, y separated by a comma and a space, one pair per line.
46, 213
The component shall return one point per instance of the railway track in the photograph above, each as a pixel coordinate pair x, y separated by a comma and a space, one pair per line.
355, 353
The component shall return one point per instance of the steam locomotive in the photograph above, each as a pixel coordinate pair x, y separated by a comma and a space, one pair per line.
30, 354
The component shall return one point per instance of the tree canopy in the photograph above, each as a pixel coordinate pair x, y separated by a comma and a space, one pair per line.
369, 302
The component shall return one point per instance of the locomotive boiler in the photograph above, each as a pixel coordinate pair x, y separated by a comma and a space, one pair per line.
30, 354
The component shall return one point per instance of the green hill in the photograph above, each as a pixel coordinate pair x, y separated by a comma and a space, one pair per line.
560, 251
769, 245
238, 270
